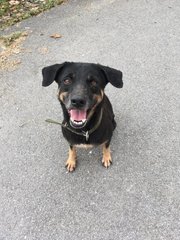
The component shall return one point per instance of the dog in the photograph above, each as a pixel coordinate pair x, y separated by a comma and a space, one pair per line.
88, 113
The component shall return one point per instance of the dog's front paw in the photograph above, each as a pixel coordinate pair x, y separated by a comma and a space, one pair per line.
71, 162
70, 165
106, 161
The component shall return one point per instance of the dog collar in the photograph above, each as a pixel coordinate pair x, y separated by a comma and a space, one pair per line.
86, 134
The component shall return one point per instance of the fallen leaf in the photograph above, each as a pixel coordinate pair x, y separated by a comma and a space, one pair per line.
43, 50
12, 2
24, 34
56, 35
16, 51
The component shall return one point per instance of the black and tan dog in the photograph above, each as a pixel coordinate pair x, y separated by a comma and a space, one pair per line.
88, 114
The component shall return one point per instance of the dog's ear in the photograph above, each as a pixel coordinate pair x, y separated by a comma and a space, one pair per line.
49, 73
113, 76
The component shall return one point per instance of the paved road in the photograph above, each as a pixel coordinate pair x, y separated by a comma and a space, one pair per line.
138, 198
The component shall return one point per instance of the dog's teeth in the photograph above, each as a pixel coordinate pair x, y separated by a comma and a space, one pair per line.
78, 122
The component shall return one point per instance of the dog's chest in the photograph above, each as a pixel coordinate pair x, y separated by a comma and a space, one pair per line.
86, 146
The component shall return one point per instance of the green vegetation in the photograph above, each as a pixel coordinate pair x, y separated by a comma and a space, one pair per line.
13, 11
9, 39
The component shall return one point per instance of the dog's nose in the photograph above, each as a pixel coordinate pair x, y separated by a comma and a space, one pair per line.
78, 102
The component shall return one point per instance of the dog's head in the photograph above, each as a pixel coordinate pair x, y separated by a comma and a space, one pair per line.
81, 87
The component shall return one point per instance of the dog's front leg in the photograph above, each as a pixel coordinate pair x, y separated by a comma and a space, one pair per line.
107, 160
71, 162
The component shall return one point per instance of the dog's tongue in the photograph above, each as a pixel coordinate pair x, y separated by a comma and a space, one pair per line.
78, 115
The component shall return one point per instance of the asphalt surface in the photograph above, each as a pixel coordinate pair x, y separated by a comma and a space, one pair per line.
138, 197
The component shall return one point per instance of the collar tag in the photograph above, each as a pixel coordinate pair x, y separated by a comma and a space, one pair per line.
86, 134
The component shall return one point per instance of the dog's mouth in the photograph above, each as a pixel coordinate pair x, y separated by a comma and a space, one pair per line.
78, 118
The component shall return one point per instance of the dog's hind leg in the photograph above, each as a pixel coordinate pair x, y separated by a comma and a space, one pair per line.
106, 160
71, 162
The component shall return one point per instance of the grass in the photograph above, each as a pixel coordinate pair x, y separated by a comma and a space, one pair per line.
10, 39
14, 11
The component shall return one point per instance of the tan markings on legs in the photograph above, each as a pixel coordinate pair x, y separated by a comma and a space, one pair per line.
71, 162
107, 160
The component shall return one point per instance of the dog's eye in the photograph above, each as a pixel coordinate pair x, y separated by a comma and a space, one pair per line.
93, 83
67, 81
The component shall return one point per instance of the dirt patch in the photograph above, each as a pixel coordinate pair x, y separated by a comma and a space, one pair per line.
13, 11
11, 47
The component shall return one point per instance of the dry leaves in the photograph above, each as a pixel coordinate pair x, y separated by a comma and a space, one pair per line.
43, 50
56, 35
12, 2
13, 11
13, 49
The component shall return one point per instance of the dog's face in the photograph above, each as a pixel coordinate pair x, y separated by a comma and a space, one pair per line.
81, 87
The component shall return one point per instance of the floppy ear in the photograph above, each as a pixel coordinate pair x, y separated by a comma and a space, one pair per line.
113, 76
49, 74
